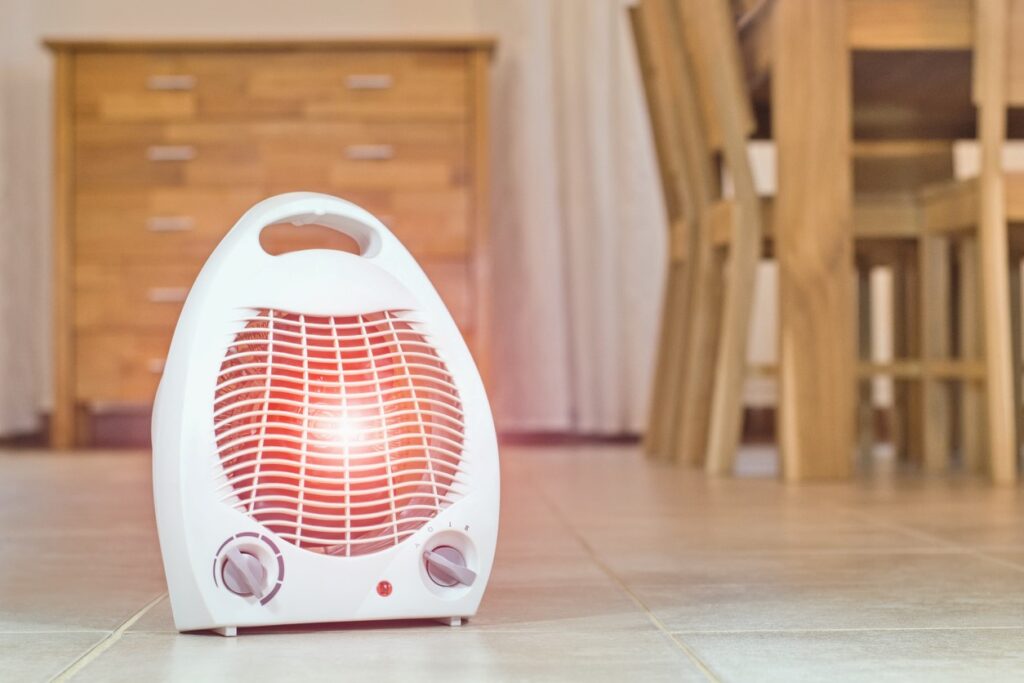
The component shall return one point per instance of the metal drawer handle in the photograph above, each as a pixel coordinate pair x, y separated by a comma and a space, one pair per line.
166, 295
170, 223
171, 82
170, 152
369, 81
155, 365
370, 152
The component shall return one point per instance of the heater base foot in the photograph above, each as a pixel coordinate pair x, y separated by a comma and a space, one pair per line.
451, 621
228, 631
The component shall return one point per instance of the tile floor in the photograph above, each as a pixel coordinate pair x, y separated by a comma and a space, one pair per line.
609, 568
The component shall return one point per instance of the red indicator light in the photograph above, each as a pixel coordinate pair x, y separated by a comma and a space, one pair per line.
384, 589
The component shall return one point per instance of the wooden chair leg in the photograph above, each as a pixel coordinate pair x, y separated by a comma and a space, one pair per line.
972, 403
666, 383
906, 436
999, 401
914, 349
701, 346
991, 60
935, 307
731, 364
1016, 351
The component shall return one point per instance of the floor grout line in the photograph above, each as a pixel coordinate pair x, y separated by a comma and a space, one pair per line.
701, 665
48, 632
851, 629
105, 644
944, 542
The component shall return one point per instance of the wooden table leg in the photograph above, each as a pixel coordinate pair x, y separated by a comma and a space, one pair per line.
866, 385
62, 420
907, 394
972, 395
814, 245
936, 325
990, 86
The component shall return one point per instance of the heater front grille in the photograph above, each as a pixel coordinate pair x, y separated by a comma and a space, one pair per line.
342, 435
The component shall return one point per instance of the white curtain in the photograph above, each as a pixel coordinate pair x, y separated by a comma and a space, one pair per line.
24, 223
579, 236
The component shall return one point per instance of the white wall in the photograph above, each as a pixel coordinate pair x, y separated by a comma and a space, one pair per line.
255, 18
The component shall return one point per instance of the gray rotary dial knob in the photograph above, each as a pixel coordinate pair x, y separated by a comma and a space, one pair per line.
446, 567
244, 574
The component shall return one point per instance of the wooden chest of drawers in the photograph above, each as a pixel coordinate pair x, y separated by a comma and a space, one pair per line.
161, 146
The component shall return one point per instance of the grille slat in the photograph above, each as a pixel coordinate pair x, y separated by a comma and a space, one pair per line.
246, 416
230, 470
308, 485
342, 435
442, 399
297, 435
320, 384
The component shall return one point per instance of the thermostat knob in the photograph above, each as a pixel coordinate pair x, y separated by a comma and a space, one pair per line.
447, 567
244, 574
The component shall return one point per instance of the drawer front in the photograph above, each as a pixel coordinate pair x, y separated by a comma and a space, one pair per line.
155, 226
187, 224
150, 296
131, 296
119, 366
369, 85
276, 155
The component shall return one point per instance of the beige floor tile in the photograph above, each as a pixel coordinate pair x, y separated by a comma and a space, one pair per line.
76, 583
965, 526
540, 568
46, 495
621, 544
41, 656
718, 561
387, 653
890, 591
931, 656
591, 607
833, 566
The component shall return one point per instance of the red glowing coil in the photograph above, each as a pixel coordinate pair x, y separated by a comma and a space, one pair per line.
339, 434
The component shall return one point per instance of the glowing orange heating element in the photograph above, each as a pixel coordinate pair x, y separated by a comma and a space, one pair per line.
340, 434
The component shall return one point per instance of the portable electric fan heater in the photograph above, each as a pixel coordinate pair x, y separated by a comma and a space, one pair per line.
323, 449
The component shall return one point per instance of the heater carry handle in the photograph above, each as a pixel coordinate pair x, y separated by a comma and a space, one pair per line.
310, 208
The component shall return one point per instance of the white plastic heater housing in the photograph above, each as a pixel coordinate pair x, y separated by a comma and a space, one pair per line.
323, 449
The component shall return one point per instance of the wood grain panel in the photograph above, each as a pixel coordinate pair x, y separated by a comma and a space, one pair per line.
132, 296
814, 241
368, 85
146, 225
150, 296
62, 422
120, 366
281, 154
1015, 67
910, 24
163, 145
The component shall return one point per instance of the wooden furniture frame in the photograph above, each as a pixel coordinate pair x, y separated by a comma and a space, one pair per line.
713, 120
978, 211
111, 97
688, 141
813, 116
669, 144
